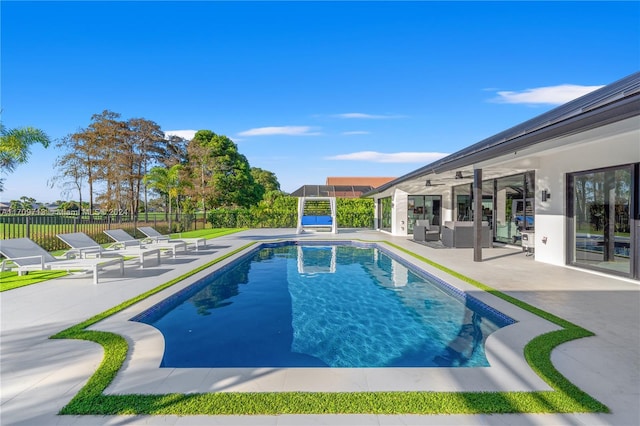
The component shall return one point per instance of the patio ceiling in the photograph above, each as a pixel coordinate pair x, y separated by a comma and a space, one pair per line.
442, 182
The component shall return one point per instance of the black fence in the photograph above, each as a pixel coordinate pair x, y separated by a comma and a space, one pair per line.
43, 227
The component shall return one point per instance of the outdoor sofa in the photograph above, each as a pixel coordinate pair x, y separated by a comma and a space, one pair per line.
460, 234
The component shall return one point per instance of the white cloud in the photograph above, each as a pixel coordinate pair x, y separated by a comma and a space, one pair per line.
554, 95
356, 132
366, 116
395, 157
280, 130
186, 134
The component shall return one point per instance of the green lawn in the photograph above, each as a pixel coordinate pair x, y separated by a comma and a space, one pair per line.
207, 233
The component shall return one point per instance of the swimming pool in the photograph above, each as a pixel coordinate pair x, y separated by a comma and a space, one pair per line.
322, 305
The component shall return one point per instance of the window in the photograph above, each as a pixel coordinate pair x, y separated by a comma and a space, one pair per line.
462, 196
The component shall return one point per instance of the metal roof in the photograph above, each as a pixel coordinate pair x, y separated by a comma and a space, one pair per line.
340, 191
373, 181
614, 102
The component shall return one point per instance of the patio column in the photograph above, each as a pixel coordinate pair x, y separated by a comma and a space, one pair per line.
477, 215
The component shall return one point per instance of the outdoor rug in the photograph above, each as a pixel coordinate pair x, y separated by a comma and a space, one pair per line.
431, 244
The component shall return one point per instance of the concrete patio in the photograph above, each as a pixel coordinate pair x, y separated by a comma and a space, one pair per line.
39, 376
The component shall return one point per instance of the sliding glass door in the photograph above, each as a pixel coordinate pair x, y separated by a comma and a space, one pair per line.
601, 209
384, 214
423, 207
514, 207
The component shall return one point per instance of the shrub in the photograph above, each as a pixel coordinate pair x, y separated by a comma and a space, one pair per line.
277, 210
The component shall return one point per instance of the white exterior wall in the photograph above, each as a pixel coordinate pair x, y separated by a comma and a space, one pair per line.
446, 206
550, 218
400, 202
551, 174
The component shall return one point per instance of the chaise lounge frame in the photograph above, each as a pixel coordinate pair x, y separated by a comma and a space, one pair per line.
29, 256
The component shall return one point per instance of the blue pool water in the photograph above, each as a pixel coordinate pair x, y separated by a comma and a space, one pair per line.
329, 305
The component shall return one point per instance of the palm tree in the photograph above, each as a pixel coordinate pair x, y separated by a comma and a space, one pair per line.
14, 146
165, 182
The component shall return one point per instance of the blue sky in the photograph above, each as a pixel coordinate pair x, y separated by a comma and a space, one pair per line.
306, 89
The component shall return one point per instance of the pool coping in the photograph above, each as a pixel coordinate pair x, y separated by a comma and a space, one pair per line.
508, 370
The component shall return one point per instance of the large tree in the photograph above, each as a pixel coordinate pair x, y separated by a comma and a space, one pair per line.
266, 180
114, 155
144, 144
173, 151
221, 173
15, 147
72, 169
199, 166
99, 147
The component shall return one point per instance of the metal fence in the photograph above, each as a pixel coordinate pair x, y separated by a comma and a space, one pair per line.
43, 227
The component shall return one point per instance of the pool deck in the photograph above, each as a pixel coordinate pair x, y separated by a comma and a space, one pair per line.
38, 376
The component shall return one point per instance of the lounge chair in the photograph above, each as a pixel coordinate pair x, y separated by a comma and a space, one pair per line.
28, 255
154, 235
123, 239
423, 231
83, 246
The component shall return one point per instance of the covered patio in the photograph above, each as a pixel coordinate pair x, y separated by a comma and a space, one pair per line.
531, 184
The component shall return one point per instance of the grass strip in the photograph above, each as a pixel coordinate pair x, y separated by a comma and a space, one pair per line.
565, 398
207, 233
10, 279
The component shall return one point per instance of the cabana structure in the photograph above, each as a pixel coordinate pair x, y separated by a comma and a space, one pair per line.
564, 186
317, 214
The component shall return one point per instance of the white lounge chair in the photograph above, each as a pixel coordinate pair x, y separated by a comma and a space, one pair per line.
154, 235
121, 237
29, 256
84, 246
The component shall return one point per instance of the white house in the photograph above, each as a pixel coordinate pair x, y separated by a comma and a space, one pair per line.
566, 182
